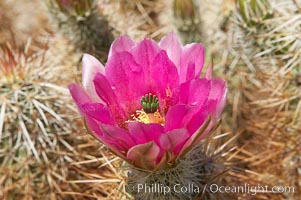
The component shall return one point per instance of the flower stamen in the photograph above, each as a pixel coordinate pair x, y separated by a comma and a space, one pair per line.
147, 118
150, 103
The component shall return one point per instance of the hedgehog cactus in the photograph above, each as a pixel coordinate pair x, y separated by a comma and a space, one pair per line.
267, 37
145, 18
252, 19
34, 132
253, 13
81, 22
187, 20
150, 107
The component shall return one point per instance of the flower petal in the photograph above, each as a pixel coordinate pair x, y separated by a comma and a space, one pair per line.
144, 53
79, 95
127, 78
91, 66
143, 133
144, 155
217, 97
117, 135
172, 46
195, 92
174, 140
184, 116
195, 118
123, 43
94, 129
164, 80
175, 116
105, 92
98, 112
192, 55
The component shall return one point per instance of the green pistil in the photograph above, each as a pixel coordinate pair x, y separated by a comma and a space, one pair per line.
150, 103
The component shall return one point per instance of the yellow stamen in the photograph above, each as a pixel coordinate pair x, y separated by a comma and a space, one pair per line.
147, 118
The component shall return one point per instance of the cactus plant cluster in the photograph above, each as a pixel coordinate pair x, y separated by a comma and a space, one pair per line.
34, 126
265, 42
44, 154
82, 23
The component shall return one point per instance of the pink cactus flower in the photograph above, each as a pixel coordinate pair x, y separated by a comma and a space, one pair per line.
149, 104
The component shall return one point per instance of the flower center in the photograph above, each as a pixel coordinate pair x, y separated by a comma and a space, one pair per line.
150, 112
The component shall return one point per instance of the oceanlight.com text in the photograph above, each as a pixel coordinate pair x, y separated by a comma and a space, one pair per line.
212, 188
250, 189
